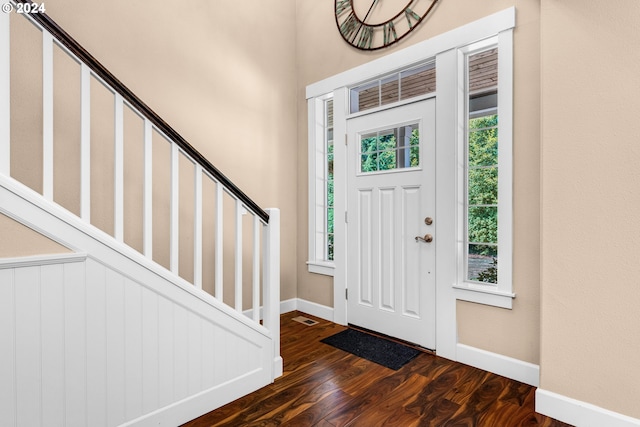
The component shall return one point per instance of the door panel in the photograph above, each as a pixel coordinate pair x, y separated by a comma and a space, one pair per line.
411, 204
390, 192
387, 249
365, 281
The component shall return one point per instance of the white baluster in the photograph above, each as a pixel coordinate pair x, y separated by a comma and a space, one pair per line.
256, 268
219, 241
197, 228
147, 235
175, 206
85, 143
5, 98
47, 115
118, 202
238, 263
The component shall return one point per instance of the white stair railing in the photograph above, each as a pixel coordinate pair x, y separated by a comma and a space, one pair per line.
265, 255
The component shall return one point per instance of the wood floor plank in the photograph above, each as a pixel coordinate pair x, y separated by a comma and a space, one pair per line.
439, 412
481, 400
315, 415
517, 393
326, 387
444, 384
391, 407
373, 395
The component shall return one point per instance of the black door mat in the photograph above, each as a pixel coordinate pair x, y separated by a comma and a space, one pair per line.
378, 350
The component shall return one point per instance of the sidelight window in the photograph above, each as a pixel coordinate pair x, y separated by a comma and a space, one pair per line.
485, 202
482, 167
321, 186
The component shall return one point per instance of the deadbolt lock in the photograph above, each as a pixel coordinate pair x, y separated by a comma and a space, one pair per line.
428, 220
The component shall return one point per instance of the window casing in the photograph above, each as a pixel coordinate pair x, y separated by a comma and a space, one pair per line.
321, 186
328, 241
485, 148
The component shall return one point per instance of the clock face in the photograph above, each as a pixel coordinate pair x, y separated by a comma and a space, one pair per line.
374, 24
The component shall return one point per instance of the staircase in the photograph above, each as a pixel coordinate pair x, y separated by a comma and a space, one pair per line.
163, 311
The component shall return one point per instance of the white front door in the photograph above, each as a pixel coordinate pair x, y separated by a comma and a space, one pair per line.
391, 200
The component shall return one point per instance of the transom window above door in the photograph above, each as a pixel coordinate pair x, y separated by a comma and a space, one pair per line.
399, 86
389, 149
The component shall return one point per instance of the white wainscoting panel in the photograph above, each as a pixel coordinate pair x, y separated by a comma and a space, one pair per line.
84, 344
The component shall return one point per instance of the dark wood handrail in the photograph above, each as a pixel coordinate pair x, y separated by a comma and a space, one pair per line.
70, 43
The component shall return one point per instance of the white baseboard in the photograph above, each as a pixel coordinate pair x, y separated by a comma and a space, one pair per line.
288, 305
199, 404
314, 309
578, 413
308, 307
509, 367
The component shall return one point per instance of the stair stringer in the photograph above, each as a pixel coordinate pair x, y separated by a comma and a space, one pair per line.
112, 338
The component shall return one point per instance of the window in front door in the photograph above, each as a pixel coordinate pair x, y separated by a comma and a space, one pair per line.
389, 149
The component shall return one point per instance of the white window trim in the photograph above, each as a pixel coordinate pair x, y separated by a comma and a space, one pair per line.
501, 294
316, 128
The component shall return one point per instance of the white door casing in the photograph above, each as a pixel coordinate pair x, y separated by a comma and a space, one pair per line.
391, 274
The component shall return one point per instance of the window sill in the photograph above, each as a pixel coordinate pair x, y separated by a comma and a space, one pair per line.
484, 295
319, 267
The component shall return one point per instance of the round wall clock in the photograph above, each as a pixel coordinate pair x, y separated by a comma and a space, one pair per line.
374, 24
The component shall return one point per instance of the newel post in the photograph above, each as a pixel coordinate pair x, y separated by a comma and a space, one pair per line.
5, 100
271, 281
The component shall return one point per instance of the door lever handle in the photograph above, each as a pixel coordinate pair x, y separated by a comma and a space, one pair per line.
428, 238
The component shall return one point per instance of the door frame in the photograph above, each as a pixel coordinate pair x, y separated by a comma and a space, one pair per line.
442, 48
445, 201
422, 325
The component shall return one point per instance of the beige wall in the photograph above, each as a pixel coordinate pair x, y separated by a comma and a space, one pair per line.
221, 73
321, 53
590, 200
18, 241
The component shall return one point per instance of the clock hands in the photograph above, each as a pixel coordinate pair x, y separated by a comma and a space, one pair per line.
369, 11
364, 19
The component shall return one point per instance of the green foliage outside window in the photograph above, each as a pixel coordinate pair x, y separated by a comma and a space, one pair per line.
482, 198
490, 274
381, 152
330, 199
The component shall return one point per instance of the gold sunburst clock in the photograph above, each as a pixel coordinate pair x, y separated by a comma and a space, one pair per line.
375, 24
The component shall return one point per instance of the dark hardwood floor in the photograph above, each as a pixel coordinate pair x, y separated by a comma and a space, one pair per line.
326, 387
